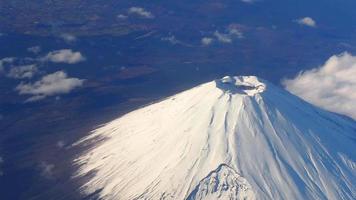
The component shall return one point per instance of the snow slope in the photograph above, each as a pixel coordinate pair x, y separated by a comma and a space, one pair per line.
234, 138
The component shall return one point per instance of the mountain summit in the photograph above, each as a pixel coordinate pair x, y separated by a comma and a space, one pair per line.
229, 139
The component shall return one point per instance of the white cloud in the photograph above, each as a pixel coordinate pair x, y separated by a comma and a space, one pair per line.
233, 31
6, 61
21, 72
52, 84
64, 56
206, 41
34, 49
171, 39
68, 37
121, 16
306, 21
331, 86
229, 35
141, 12
221, 37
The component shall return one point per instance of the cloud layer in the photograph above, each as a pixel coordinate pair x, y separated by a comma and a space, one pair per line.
64, 56
331, 86
52, 84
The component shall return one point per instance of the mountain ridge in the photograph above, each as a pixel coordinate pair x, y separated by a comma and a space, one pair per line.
284, 147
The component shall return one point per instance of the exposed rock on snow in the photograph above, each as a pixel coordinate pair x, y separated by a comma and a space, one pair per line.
272, 143
244, 85
222, 183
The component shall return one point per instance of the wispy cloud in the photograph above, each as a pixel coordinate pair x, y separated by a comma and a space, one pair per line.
69, 38
21, 72
306, 21
52, 84
34, 49
248, 1
6, 61
64, 56
171, 39
122, 16
60, 144
331, 86
223, 37
206, 41
229, 34
140, 12
46, 170
234, 31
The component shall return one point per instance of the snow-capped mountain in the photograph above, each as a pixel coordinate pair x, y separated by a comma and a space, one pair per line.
229, 139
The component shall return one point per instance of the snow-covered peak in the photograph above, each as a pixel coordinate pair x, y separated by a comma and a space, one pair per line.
247, 85
269, 141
